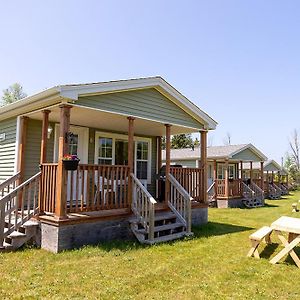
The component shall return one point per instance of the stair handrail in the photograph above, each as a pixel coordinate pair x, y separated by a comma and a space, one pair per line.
9, 206
143, 205
278, 189
247, 188
9, 181
183, 212
258, 191
211, 188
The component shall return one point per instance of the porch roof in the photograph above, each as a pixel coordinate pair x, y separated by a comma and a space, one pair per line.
215, 152
270, 165
71, 93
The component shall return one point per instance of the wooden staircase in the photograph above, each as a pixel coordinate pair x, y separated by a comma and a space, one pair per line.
253, 196
18, 204
151, 227
25, 233
167, 227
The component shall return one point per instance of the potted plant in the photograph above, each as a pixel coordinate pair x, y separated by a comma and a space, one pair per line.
70, 162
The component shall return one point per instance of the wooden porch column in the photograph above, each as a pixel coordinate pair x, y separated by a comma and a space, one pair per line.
262, 175
215, 178
44, 135
279, 177
63, 148
272, 176
158, 163
130, 155
22, 145
203, 142
241, 170
251, 171
168, 161
226, 180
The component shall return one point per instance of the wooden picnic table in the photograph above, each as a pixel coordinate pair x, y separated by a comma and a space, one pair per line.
291, 226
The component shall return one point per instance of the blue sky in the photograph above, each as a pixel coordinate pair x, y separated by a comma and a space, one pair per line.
237, 60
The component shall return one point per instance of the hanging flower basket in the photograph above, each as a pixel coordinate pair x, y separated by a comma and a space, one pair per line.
70, 162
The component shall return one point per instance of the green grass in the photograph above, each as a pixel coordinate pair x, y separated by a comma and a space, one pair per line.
212, 265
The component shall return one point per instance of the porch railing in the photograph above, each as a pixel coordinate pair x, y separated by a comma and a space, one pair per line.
234, 188
190, 179
9, 184
18, 206
143, 206
180, 203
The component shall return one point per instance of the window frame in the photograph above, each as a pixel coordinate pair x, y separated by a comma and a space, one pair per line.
114, 137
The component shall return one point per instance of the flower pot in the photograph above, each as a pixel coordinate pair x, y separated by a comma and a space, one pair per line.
71, 165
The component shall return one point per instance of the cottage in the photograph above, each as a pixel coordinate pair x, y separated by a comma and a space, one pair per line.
115, 129
225, 180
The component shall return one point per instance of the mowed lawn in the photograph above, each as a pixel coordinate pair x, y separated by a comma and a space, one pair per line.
212, 265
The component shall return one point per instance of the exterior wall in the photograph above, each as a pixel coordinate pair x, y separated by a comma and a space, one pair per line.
33, 147
185, 163
271, 168
148, 104
8, 148
247, 155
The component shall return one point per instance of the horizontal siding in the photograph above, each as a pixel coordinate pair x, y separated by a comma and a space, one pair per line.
247, 155
33, 147
148, 104
8, 148
185, 163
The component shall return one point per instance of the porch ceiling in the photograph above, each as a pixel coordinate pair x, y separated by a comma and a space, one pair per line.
101, 120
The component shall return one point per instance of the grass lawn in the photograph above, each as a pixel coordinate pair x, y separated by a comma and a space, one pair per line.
212, 265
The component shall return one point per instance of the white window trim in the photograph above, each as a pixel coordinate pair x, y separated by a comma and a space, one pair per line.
114, 137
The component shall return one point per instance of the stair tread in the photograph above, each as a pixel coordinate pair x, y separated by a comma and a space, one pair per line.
163, 227
167, 238
17, 234
30, 223
158, 217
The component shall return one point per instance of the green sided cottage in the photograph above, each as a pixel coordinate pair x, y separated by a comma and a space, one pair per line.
115, 128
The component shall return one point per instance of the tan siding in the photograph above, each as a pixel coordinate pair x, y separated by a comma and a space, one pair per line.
148, 104
33, 147
8, 148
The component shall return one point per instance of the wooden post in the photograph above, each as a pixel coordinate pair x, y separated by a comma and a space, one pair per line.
168, 161
268, 179
262, 175
251, 171
272, 176
216, 178
203, 142
158, 164
130, 155
279, 177
226, 180
44, 135
241, 162
61, 183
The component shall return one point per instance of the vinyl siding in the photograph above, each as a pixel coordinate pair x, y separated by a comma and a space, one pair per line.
185, 163
33, 147
148, 104
8, 148
247, 155
271, 168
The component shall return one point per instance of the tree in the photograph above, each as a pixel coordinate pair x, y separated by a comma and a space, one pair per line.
180, 141
13, 93
292, 160
227, 139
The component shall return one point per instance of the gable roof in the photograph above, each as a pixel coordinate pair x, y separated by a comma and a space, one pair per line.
270, 165
213, 152
71, 92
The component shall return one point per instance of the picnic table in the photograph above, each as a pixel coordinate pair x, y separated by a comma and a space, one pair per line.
291, 226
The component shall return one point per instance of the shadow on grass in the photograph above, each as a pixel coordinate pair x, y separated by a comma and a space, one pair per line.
270, 205
268, 250
215, 229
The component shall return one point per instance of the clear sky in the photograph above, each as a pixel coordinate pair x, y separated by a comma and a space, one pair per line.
237, 60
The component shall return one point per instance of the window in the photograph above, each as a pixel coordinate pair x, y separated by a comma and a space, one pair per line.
105, 151
221, 171
73, 145
231, 171
142, 160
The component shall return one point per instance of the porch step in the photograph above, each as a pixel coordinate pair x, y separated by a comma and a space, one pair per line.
167, 227
18, 238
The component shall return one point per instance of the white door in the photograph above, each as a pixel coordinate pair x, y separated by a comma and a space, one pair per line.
78, 145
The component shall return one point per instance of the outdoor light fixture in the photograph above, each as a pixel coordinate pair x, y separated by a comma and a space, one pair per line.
49, 131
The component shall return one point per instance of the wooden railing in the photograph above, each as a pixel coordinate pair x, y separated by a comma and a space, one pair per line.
97, 187
259, 193
143, 206
190, 179
220, 187
247, 191
48, 187
211, 195
9, 184
18, 206
257, 182
235, 188
180, 203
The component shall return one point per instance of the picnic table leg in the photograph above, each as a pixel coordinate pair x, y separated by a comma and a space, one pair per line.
288, 249
253, 250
